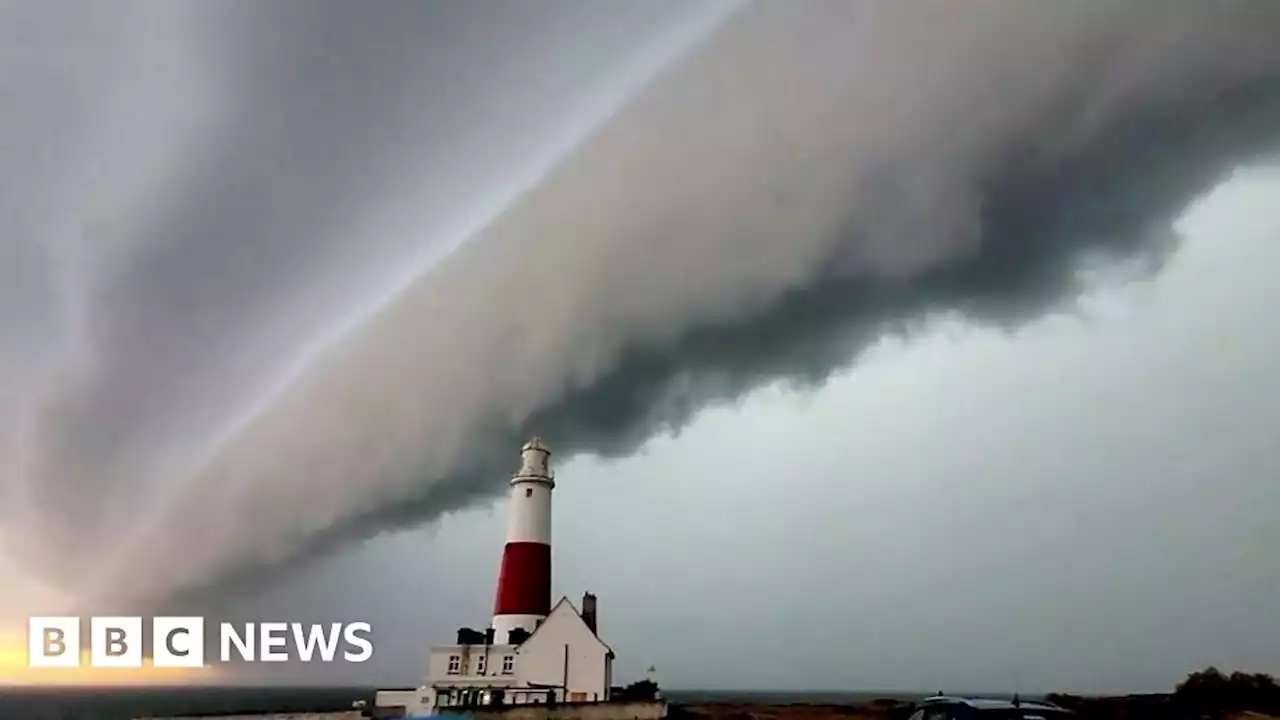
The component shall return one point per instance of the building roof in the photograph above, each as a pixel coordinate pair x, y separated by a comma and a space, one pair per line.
566, 605
457, 647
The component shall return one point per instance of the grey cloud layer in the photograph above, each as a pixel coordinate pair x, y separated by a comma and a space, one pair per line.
196, 192
816, 175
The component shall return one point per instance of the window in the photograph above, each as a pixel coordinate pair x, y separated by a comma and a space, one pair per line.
455, 664
508, 664
480, 664
528, 492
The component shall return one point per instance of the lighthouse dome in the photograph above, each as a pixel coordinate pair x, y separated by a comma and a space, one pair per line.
536, 443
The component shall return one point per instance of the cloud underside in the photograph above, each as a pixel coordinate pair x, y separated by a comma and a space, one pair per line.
813, 178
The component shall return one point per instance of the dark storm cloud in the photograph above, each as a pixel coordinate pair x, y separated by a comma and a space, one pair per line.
817, 175
310, 118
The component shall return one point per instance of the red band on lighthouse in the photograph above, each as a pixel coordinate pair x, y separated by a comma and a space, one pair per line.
524, 582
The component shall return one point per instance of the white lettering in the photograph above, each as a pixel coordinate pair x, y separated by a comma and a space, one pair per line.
272, 635
328, 643
179, 641
352, 638
229, 636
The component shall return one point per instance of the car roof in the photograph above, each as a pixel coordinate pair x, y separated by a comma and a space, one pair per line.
991, 703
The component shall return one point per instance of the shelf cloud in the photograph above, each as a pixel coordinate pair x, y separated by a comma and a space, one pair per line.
806, 179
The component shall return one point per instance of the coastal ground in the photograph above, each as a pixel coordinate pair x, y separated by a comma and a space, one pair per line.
1136, 707
128, 703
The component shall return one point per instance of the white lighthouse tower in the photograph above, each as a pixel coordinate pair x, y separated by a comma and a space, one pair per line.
523, 598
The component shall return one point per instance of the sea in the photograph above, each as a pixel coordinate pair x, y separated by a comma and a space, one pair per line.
129, 703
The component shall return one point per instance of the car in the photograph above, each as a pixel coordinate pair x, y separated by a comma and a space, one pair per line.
943, 707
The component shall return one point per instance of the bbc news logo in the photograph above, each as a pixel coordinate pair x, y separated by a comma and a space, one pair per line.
179, 642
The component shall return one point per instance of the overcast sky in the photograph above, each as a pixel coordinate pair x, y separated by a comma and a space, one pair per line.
797, 287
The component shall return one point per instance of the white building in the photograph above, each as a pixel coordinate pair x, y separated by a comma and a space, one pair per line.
531, 652
562, 661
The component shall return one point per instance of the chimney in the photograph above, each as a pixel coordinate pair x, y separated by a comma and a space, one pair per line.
589, 610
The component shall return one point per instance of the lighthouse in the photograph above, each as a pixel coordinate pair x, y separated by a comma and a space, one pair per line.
523, 598
533, 652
